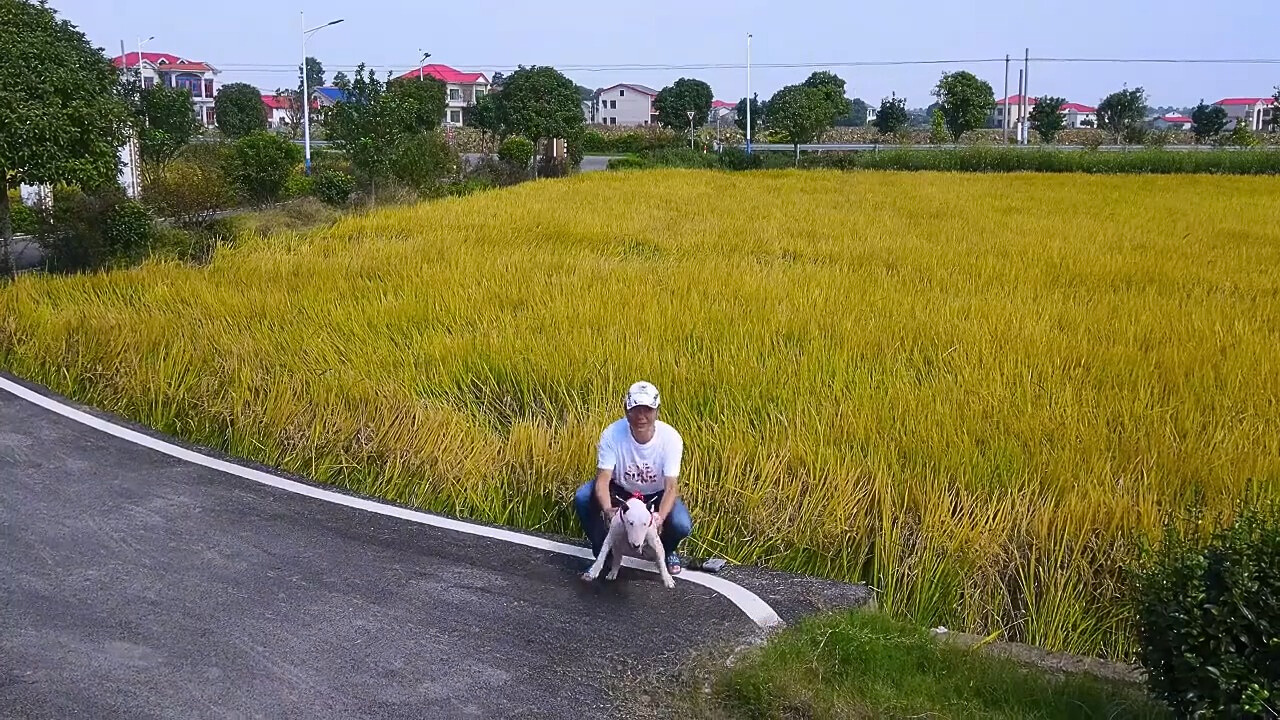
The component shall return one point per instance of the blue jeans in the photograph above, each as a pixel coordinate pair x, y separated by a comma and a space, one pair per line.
675, 528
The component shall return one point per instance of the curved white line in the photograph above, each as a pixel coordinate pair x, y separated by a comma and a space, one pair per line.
755, 608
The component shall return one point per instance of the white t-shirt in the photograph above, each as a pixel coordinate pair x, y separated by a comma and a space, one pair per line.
640, 468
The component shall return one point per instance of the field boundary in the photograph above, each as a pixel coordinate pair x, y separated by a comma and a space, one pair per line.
755, 608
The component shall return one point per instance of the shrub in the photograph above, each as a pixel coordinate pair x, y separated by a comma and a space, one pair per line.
298, 185
333, 188
259, 165
1209, 619
516, 151
424, 160
90, 231
627, 162
188, 193
22, 218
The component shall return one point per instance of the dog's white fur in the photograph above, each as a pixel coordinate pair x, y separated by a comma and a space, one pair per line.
633, 528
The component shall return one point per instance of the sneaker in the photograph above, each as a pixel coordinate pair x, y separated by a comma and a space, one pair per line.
673, 563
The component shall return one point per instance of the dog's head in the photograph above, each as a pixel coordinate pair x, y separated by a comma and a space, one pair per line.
636, 518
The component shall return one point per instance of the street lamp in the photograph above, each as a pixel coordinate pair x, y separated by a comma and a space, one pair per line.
690, 114
142, 42
422, 63
748, 93
306, 93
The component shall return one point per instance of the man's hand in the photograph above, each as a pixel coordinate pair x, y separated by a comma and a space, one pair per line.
659, 518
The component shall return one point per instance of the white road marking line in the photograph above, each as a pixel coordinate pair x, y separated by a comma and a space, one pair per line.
755, 608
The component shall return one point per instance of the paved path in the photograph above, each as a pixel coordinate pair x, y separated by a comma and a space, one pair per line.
138, 585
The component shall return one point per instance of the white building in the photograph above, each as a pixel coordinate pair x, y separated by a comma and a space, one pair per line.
200, 78
1077, 115
627, 104
462, 89
1171, 121
1255, 111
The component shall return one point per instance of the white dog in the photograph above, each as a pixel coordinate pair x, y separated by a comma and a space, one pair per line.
633, 528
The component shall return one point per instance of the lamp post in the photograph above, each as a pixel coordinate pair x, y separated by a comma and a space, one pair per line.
748, 93
142, 42
306, 93
422, 63
690, 114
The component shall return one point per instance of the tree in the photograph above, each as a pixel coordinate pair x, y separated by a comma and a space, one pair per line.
315, 75
965, 101
1121, 113
832, 88
540, 103
677, 99
260, 163
801, 113
892, 115
1208, 121
937, 128
340, 78
1047, 118
486, 115
359, 126
758, 110
1241, 135
165, 124
239, 110
62, 114
292, 110
857, 116
419, 104
1275, 110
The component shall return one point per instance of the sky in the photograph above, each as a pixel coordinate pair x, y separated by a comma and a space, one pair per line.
258, 41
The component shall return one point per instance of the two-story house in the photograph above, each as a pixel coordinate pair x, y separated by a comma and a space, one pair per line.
462, 89
200, 78
1256, 112
626, 104
1076, 115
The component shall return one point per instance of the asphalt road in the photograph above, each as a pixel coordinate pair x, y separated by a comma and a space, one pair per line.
137, 585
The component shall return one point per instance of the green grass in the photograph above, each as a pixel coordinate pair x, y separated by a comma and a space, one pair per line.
862, 664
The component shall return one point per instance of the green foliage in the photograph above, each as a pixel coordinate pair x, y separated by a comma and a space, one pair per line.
93, 230
677, 99
298, 185
1007, 159
965, 101
862, 664
636, 141
424, 160
627, 162
333, 188
1208, 121
516, 151
758, 110
1240, 136
1122, 113
893, 115
832, 88
259, 164
486, 115
25, 219
315, 75
938, 128
539, 102
1209, 619
187, 192
166, 124
416, 105
1047, 118
800, 113
363, 127
857, 116
239, 110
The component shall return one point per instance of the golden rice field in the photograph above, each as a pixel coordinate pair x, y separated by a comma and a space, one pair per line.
974, 392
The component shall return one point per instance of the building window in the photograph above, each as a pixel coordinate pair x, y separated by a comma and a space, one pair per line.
455, 117
209, 117
479, 92
148, 82
613, 121
622, 93
613, 104
208, 88
455, 94
189, 82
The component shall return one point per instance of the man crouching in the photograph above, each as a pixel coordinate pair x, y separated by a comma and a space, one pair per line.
637, 455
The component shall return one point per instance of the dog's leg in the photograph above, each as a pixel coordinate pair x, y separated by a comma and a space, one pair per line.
656, 543
615, 565
594, 571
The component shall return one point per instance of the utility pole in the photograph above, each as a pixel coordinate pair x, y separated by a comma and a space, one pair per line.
1026, 85
1005, 114
1021, 96
748, 93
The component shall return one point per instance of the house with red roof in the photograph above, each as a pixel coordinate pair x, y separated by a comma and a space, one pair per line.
462, 89
1172, 121
627, 104
1256, 112
199, 78
722, 111
1077, 115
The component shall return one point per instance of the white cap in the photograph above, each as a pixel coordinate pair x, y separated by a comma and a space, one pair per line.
642, 393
